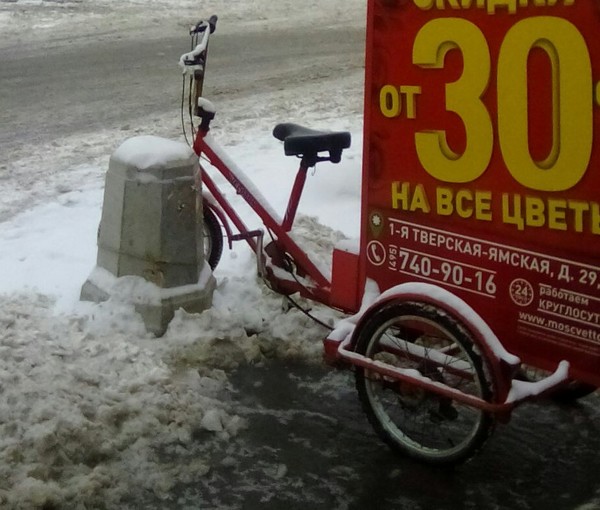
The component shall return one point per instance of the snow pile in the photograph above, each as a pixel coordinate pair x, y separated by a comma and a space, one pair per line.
94, 411
146, 152
81, 413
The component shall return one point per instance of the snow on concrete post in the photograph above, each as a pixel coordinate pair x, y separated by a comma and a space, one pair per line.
150, 242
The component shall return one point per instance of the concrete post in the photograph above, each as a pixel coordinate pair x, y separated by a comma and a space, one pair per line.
150, 242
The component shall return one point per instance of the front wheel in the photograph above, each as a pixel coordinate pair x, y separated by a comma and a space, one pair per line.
212, 238
411, 420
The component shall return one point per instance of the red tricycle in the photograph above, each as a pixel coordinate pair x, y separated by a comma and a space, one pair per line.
475, 283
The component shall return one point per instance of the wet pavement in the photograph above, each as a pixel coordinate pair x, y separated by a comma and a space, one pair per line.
308, 445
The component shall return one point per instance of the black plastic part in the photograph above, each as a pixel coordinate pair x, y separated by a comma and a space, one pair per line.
206, 118
307, 143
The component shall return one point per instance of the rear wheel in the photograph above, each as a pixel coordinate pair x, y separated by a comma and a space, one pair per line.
411, 420
213, 238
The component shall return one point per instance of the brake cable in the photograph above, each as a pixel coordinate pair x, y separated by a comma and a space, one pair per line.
183, 128
294, 303
308, 314
194, 42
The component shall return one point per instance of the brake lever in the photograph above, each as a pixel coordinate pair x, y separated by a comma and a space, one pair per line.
194, 61
199, 27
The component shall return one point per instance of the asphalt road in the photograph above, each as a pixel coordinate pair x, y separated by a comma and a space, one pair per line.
308, 445
62, 87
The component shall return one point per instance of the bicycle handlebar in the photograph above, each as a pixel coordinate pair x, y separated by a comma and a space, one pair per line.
194, 61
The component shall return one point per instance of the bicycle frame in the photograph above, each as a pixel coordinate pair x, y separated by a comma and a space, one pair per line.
309, 281
282, 263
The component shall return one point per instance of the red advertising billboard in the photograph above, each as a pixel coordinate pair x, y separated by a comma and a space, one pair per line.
482, 165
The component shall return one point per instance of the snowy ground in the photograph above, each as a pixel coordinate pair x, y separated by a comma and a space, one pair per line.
93, 410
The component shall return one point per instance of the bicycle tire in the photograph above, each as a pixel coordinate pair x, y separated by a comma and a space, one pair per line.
410, 420
212, 238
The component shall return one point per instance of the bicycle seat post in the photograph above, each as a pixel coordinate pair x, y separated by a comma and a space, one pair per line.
296, 193
307, 144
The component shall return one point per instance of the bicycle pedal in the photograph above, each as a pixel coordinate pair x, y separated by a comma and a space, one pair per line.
247, 235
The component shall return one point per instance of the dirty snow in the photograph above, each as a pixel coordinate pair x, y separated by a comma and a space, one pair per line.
95, 412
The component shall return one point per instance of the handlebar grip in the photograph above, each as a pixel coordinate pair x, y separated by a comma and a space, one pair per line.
212, 21
202, 25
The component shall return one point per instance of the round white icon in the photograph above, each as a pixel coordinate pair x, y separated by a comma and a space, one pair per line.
376, 253
521, 292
